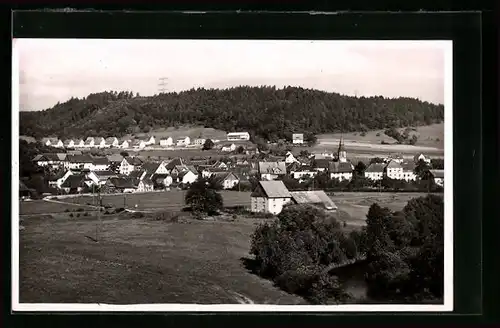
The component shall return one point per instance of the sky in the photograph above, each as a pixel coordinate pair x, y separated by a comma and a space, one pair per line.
54, 70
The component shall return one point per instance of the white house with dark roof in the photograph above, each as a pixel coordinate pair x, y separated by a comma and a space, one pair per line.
298, 138
375, 171
69, 143
341, 170
74, 162
408, 171
438, 176
289, 158
89, 142
167, 142
237, 136
99, 164
112, 142
228, 147
199, 142
271, 170
150, 140
129, 164
79, 143
394, 170
125, 143
421, 157
303, 172
270, 197
138, 144
99, 178
227, 179
182, 141
99, 142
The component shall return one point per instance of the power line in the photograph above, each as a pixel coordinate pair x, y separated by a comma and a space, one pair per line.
162, 84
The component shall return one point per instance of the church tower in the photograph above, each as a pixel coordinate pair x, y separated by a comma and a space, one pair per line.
341, 153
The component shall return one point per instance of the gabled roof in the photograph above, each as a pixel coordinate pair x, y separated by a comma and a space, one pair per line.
80, 158
228, 144
38, 157
89, 139
74, 181
137, 174
115, 158
221, 176
150, 168
437, 173
173, 163
111, 139
340, 167
157, 177
122, 183
74, 152
298, 136
100, 161
105, 173
415, 158
166, 138
375, 168
271, 189
22, 186
133, 160
393, 165
408, 166
47, 157
272, 167
181, 138
313, 197
322, 163
56, 176
67, 142
98, 140
137, 142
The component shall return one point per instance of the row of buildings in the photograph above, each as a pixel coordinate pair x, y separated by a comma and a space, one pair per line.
125, 143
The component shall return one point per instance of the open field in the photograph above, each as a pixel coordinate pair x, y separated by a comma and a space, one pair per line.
431, 140
33, 207
140, 261
168, 200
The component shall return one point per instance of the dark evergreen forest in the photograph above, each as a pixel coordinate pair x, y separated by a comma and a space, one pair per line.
267, 112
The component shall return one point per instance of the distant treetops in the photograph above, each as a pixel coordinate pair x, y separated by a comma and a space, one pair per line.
265, 112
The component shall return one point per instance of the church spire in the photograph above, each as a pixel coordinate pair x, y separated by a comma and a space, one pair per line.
341, 153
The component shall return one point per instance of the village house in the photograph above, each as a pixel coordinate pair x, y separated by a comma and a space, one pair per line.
99, 178
228, 147
199, 142
121, 185
298, 138
438, 176
166, 142
314, 197
375, 171
99, 164
340, 170
58, 179
183, 141
408, 171
228, 180
421, 157
187, 177
129, 164
174, 163
270, 197
79, 143
236, 136
154, 168
112, 142
79, 162
125, 144
74, 184
398, 158
145, 185
303, 172
137, 174
138, 144
394, 170
321, 165
161, 181
150, 140
208, 172
49, 160
115, 159
271, 170
69, 143
89, 142
52, 142
289, 158
99, 142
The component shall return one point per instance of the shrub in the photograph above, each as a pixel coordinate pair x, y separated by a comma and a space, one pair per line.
86, 214
66, 210
80, 210
295, 250
363, 134
77, 215
119, 210
70, 215
137, 215
378, 134
166, 216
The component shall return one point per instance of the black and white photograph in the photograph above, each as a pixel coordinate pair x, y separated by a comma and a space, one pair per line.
232, 175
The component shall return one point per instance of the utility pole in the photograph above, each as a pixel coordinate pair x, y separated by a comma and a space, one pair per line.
162, 85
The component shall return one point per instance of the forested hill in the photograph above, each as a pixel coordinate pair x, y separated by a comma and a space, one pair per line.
264, 111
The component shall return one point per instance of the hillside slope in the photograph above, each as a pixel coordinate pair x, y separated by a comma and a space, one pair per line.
267, 112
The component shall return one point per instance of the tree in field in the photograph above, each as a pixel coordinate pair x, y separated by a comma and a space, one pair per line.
124, 154
240, 150
376, 160
209, 144
203, 199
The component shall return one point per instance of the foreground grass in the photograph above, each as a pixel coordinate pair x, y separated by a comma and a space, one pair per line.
139, 261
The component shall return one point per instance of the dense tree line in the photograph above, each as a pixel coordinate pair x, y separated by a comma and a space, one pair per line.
403, 252
267, 112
